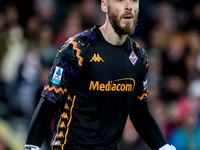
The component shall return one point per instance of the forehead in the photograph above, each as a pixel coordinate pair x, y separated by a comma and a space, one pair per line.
122, 0
133, 2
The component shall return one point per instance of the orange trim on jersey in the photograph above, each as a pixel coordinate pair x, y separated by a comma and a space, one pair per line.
56, 90
74, 43
78, 51
70, 119
136, 44
56, 133
147, 65
63, 125
141, 97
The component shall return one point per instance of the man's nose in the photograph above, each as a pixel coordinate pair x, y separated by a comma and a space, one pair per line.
128, 5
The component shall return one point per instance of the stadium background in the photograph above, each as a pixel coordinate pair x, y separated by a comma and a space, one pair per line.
32, 30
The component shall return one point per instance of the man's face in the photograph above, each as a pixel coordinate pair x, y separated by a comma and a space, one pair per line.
123, 15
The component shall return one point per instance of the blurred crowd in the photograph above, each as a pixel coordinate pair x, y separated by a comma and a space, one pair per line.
169, 30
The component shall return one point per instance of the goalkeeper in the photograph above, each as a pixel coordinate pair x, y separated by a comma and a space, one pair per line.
98, 78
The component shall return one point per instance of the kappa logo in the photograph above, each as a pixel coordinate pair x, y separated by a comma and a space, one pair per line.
96, 58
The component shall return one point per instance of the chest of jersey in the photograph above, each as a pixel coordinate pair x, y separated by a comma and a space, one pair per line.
109, 75
111, 68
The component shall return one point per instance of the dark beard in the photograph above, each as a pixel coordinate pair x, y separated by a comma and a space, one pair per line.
116, 24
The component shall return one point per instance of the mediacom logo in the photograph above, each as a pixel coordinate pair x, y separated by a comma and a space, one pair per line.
125, 84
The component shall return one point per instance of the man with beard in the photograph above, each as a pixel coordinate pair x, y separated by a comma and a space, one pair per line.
98, 78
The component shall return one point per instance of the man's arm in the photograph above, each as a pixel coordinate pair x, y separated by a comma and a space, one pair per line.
146, 126
140, 116
40, 123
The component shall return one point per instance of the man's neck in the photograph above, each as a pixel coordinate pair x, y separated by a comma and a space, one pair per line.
111, 36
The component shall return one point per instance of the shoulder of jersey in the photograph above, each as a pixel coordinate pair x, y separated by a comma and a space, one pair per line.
77, 45
140, 52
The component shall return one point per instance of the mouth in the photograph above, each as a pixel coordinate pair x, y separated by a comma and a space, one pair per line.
128, 18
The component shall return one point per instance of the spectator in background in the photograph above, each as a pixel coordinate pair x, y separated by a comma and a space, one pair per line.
165, 16
155, 70
194, 21
173, 68
15, 43
72, 25
174, 54
194, 95
187, 133
32, 28
3, 46
27, 83
192, 60
3, 145
46, 46
90, 13
46, 11
158, 38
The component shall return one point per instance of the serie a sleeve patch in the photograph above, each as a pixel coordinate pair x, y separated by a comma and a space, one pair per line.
57, 75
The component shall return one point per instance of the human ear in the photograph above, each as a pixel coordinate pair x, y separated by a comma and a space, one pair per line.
104, 7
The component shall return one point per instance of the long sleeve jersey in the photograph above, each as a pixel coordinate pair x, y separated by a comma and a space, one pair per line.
96, 85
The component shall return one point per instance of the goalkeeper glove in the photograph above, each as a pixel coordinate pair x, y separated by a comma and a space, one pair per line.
31, 147
167, 147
